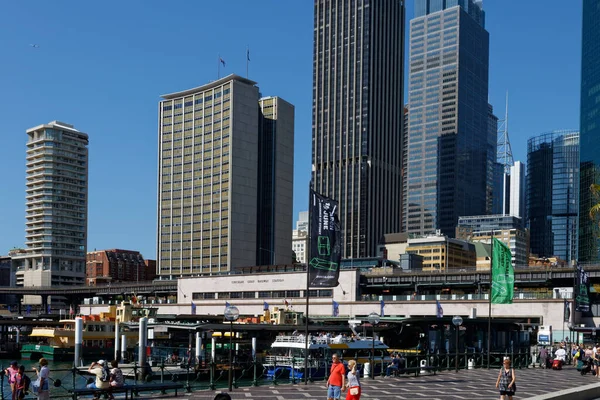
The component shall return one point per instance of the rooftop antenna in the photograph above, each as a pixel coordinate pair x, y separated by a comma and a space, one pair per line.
504, 151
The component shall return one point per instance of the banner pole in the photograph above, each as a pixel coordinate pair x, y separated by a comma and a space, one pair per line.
307, 293
489, 333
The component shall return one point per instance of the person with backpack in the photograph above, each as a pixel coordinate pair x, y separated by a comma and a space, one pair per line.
102, 373
22, 383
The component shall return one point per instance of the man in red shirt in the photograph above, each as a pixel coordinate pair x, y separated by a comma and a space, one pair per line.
337, 378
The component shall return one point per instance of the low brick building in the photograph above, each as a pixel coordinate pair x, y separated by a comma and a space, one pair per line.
115, 265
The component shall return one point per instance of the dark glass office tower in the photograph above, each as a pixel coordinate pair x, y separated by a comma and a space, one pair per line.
357, 116
553, 194
449, 167
589, 245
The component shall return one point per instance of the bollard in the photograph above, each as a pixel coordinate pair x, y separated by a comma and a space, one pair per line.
123, 348
292, 371
117, 341
198, 347
143, 338
78, 340
255, 380
162, 370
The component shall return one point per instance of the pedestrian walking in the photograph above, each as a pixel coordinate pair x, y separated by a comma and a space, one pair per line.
353, 383
506, 381
337, 378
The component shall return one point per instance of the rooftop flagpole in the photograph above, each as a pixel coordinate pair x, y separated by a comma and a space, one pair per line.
247, 60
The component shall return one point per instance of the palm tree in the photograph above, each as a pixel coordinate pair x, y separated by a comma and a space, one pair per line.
595, 210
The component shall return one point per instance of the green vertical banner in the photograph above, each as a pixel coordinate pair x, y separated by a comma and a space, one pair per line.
503, 274
325, 251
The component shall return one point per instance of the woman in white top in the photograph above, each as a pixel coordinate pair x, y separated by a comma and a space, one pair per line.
353, 384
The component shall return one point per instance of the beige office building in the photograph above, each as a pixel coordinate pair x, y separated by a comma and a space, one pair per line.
213, 187
57, 202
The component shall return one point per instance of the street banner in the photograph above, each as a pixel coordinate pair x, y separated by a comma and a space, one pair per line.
582, 290
503, 274
325, 241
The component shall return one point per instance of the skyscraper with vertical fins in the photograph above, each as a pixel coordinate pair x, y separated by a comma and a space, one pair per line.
357, 116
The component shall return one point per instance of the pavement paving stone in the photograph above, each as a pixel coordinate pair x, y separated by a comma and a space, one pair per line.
447, 385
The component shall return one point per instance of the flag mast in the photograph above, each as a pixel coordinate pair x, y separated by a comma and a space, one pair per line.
489, 335
308, 282
247, 60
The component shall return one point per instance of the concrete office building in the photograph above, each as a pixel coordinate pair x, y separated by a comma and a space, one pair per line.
300, 245
517, 191
553, 194
219, 147
357, 116
508, 229
450, 161
57, 204
275, 181
589, 232
441, 253
302, 223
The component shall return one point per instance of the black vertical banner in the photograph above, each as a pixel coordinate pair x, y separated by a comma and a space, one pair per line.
325, 241
582, 290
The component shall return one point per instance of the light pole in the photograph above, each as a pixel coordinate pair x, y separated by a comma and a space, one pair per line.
373, 319
457, 321
231, 314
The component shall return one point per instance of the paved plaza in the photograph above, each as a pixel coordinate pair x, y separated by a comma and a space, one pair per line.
447, 385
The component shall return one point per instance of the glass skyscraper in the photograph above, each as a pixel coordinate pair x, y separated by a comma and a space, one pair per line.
357, 116
589, 245
450, 157
553, 193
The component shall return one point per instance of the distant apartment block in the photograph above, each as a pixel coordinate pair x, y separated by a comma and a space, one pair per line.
57, 205
506, 228
105, 266
225, 179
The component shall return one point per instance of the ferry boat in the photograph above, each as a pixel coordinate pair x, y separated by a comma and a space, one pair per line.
58, 343
287, 357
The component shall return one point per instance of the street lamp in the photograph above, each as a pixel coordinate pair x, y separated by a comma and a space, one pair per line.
457, 321
231, 314
373, 319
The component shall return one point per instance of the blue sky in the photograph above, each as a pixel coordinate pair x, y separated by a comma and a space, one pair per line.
102, 66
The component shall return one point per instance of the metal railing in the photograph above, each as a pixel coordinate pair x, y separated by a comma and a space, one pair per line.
212, 375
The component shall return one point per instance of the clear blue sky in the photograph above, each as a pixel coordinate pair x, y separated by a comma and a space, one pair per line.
103, 65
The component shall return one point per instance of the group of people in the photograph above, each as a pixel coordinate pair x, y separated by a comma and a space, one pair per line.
106, 377
587, 354
339, 381
20, 383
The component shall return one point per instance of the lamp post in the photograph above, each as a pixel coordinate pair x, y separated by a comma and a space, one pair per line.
231, 314
373, 319
457, 321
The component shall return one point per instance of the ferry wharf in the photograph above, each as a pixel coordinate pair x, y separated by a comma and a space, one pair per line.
532, 383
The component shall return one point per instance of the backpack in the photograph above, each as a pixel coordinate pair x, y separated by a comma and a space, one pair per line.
105, 374
26, 383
